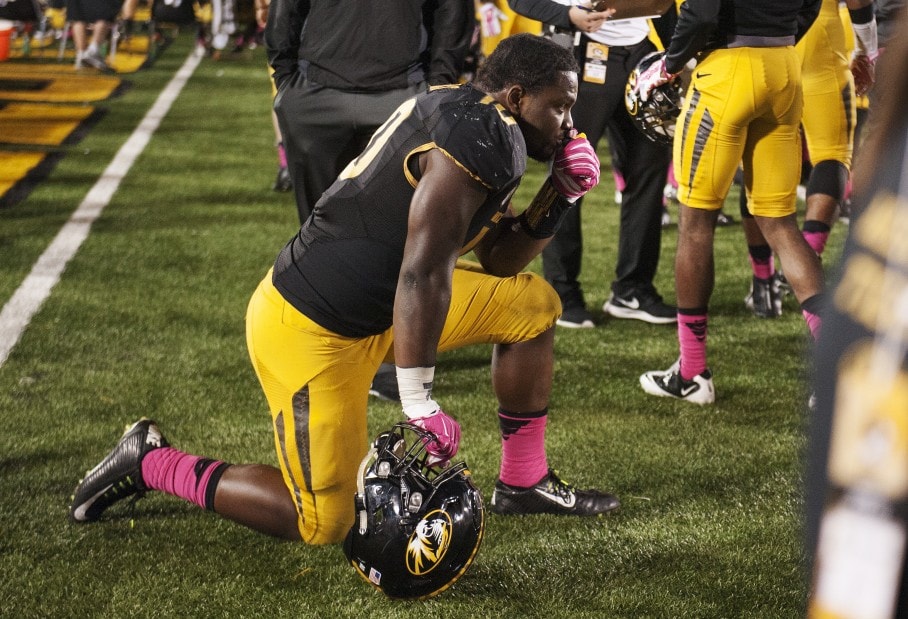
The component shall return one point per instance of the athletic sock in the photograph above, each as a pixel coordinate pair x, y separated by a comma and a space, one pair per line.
761, 261
281, 155
811, 309
620, 183
692, 327
189, 477
816, 233
523, 459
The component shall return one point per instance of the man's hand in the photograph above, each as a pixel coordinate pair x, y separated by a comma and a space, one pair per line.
575, 169
447, 432
653, 76
863, 67
588, 19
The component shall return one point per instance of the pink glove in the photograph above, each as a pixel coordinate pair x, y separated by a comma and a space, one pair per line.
575, 169
863, 69
653, 76
447, 433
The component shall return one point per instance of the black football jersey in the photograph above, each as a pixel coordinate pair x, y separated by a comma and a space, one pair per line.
341, 269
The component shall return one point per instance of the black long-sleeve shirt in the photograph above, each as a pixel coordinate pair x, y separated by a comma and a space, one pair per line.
369, 45
558, 15
711, 24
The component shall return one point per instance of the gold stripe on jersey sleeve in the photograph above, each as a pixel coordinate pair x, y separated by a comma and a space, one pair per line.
462, 167
426, 148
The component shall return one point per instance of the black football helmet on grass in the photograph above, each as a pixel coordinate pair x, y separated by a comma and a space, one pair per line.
655, 117
417, 528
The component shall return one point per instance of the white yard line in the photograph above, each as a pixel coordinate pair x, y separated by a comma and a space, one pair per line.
37, 286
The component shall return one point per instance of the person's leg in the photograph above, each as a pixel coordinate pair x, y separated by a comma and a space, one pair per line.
825, 192
316, 385
92, 56
773, 201
640, 230
563, 256
561, 260
282, 180
100, 30
708, 149
318, 407
828, 124
764, 298
79, 30
802, 266
518, 315
316, 137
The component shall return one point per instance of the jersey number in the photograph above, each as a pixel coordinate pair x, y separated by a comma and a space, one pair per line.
356, 167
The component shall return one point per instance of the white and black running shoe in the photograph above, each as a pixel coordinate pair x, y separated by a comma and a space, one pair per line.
669, 384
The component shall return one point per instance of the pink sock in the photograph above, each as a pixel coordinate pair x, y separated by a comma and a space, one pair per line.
814, 322
281, 156
620, 185
692, 340
763, 268
523, 460
816, 240
189, 477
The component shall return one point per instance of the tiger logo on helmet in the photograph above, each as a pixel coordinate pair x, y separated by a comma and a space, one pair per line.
655, 117
418, 527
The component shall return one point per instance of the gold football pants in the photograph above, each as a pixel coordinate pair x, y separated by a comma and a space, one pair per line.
317, 382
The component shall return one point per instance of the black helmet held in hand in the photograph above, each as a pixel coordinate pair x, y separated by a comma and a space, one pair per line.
417, 527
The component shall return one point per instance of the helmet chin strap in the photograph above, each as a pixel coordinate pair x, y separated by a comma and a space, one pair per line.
361, 489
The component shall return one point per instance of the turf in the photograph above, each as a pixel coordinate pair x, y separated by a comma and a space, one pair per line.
148, 321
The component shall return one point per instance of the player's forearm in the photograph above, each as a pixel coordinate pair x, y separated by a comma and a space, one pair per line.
546, 11
420, 309
508, 249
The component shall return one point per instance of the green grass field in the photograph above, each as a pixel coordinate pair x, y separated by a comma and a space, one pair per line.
148, 321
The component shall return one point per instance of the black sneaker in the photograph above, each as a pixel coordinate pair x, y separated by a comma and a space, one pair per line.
576, 317
724, 220
384, 383
119, 475
282, 182
765, 297
551, 495
646, 307
669, 384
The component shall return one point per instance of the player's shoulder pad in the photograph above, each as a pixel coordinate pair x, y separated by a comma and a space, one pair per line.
481, 136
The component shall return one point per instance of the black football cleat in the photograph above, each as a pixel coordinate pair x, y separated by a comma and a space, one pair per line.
765, 297
551, 495
118, 475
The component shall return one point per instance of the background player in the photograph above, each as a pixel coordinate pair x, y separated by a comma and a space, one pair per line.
744, 104
829, 123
